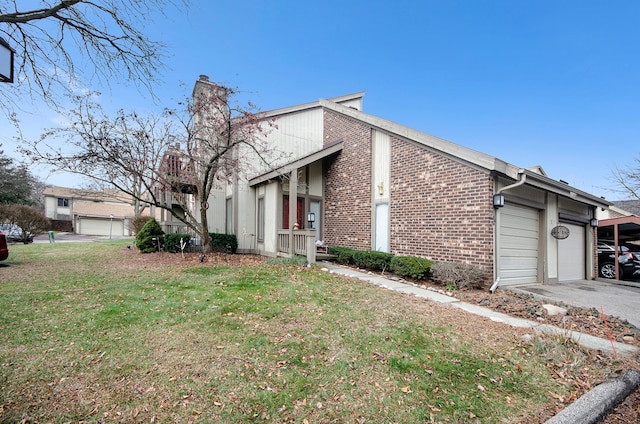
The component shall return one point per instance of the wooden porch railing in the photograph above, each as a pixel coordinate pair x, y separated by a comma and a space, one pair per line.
173, 228
303, 243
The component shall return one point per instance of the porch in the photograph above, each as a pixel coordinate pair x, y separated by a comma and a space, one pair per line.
301, 243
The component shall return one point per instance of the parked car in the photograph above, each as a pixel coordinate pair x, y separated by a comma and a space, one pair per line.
15, 234
4, 249
628, 261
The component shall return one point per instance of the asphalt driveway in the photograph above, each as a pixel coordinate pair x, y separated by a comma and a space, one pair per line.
620, 300
72, 238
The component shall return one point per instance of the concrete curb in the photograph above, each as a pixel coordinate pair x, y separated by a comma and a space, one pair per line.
599, 401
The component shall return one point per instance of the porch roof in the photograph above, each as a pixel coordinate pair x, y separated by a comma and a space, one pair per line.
328, 150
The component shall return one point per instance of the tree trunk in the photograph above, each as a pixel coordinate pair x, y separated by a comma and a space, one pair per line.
204, 228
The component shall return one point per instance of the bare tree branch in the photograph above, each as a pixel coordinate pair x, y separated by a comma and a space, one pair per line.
628, 179
54, 42
174, 158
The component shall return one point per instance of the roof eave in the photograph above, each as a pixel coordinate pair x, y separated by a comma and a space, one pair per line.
298, 163
545, 183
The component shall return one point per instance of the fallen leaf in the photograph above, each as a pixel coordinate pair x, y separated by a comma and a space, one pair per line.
406, 389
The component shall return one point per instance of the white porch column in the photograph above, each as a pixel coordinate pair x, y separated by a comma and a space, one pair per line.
293, 207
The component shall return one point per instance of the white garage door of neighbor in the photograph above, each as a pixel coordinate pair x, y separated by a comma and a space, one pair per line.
519, 228
101, 227
571, 254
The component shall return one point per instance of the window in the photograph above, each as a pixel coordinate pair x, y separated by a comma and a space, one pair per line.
261, 219
63, 202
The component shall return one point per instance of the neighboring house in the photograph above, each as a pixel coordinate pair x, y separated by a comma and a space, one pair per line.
627, 206
375, 184
104, 213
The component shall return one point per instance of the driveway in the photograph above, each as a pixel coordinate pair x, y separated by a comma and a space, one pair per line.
72, 238
620, 300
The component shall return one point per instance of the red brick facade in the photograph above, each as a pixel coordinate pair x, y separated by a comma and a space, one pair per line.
347, 197
439, 208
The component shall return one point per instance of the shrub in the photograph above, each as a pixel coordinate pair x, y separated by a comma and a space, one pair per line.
411, 266
30, 220
344, 255
224, 242
172, 242
144, 239
372, 260
459, 275
138, 222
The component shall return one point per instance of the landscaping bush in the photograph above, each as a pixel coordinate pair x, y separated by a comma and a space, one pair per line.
372, 260
224, 242
30, 220
138, 222
172, 242
460, 275
144, 239
344, 255
411, 266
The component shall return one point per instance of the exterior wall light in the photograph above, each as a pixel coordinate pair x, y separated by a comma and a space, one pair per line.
498, 200
6, 61
593, 222
311, 217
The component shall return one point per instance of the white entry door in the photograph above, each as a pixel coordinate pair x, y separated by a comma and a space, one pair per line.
382, 227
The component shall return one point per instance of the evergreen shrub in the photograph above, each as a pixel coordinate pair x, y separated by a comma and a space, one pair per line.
172, 242
224, 242
144, 239
344, 255
412, 267
372, 260
138, 222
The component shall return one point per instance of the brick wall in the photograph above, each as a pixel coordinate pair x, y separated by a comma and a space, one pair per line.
347, 208
439, 207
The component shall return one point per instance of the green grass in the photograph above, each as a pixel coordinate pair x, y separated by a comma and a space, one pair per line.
93, 331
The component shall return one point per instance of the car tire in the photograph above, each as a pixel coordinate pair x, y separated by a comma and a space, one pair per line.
608, 270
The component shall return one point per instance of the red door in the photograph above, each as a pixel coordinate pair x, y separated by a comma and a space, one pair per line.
285, 212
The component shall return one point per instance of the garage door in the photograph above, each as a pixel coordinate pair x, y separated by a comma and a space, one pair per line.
518, 243
101, 227
571, 254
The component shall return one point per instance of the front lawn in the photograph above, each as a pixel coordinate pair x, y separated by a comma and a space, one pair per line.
97, 332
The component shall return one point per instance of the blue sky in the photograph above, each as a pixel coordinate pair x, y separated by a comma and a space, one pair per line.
547, 83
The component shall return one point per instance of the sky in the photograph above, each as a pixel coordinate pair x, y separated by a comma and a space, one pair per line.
549, 83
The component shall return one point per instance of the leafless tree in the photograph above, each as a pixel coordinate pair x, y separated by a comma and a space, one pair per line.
175, 158
61, 45
124, 151
628, 180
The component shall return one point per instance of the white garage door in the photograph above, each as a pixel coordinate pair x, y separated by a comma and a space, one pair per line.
101, 227
518, 243
571, 254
